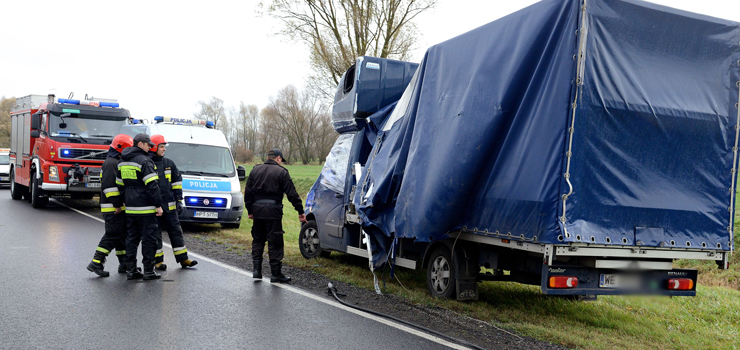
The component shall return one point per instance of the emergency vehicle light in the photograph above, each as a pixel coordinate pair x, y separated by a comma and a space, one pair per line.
183, 121
88, 103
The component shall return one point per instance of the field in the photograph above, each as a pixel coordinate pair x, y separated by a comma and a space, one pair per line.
711, 320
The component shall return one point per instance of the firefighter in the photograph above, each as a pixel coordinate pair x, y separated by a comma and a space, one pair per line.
170, 187
111, 205
263, 198
143, 206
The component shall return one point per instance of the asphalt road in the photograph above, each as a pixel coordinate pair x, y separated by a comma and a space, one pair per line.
49, 300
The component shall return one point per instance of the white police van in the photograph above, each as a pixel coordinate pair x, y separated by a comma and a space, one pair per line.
4, 166
210, 178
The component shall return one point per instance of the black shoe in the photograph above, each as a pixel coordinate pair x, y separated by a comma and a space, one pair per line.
134, 274
97, 268
188, 263
257, 273
150, 274
280, 279
121, 268
160, 266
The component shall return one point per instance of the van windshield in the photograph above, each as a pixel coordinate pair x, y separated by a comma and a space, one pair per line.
201, 159
4, 159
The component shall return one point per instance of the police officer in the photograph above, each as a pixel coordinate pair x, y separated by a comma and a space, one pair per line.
111, 205
170, 187
263, 198
143, 205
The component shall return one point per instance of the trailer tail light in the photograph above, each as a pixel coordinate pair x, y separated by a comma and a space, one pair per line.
680, 284
563, 282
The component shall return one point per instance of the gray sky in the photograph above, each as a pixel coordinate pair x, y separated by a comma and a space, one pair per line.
162, 57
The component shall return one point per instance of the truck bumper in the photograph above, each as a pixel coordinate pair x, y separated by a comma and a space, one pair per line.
79, 188
226, 216
595, 281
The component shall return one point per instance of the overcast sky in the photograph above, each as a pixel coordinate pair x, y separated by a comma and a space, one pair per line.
162, 57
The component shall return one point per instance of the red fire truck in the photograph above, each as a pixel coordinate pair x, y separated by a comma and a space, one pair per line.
58, 145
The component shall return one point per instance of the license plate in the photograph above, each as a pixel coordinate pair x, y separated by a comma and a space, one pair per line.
4, 179
206, 214
93, 185
619, 281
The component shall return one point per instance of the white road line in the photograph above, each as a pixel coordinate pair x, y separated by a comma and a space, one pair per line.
307, 294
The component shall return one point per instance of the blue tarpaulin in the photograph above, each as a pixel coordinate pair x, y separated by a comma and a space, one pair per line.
606, 121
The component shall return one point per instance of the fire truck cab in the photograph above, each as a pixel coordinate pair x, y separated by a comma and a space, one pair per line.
58, 146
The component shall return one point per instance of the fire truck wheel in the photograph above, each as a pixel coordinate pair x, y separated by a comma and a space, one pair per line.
441, 276
16, 191
37, 200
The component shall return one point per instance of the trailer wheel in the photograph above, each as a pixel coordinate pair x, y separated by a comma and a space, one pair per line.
308, 241
16, 191
441, 278
37, 201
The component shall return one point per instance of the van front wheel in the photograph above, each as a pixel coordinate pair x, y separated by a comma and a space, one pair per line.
308, 241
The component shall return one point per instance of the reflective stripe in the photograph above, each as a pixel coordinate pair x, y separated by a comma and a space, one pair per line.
169, 177
120, 252
112, 194
183, 251
172, 205
103, 250
131, 164
168, 172
160, 251
177, 185
149, 178
159, 254
119, 182
107, 207
110, 189
96, 261
141, 210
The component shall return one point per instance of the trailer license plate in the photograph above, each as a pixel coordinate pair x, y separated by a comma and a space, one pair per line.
92, 185
619, 281
206, 214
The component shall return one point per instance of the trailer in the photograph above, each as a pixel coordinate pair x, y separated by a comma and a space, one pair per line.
57, 146
579, 145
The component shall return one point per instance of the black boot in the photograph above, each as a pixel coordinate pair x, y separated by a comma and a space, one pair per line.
96, 266
150, 274
278, 276
132, 272
121, 263
160, 266
257, 264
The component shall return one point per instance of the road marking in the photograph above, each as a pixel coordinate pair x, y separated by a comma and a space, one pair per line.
378, 319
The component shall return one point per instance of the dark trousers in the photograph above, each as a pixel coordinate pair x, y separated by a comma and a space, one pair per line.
272, 232
171, 223
114, 237
144, 229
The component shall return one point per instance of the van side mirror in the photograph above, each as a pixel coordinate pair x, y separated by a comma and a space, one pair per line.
242, 172
36, 122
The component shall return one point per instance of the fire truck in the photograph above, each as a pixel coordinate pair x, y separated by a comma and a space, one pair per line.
57, 146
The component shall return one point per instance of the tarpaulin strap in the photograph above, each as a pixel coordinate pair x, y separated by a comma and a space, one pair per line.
731, 228
366, 240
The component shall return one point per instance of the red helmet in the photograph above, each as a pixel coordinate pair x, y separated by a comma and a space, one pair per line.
121, 141
157, 140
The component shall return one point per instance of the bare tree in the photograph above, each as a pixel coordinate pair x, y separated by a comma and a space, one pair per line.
6, 104
338, 31
212, 110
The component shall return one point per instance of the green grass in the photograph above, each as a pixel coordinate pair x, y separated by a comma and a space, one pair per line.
711, 320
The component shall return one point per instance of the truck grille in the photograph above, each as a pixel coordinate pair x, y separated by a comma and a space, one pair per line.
83, 154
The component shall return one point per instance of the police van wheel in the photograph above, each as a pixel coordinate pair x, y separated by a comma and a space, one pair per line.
441, 277
16, 191
308, 241
37, 200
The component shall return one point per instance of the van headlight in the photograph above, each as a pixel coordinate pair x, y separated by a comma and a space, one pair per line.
53, 174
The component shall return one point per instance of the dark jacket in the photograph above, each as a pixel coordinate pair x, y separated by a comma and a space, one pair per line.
140, 187
170, 182
263, 195
110, 196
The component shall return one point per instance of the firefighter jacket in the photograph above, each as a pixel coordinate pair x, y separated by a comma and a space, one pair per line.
170, 182
110, 196
263, 194
140, 187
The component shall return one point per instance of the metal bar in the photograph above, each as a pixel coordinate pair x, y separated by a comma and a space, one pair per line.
638, 253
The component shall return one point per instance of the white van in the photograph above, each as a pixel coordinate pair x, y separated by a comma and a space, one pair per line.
4, 166
210, 178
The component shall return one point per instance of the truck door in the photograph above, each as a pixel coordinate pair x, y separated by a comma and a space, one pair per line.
329, 198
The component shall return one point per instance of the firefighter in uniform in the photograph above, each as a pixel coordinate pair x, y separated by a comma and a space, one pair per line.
263, 198
143, 205
170, 187
111, 205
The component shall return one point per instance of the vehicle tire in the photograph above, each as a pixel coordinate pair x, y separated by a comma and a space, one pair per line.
308, 241
37, 200
441, 277
230, 225
16, 191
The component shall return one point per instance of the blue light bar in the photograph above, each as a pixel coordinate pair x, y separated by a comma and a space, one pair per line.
209, 123
158, 119
135, 121
69, 102
109, 104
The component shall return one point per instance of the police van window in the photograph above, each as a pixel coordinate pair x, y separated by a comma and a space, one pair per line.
4, 159
201, 160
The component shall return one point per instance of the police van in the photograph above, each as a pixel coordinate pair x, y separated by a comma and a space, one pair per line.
210, 178
4, 166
